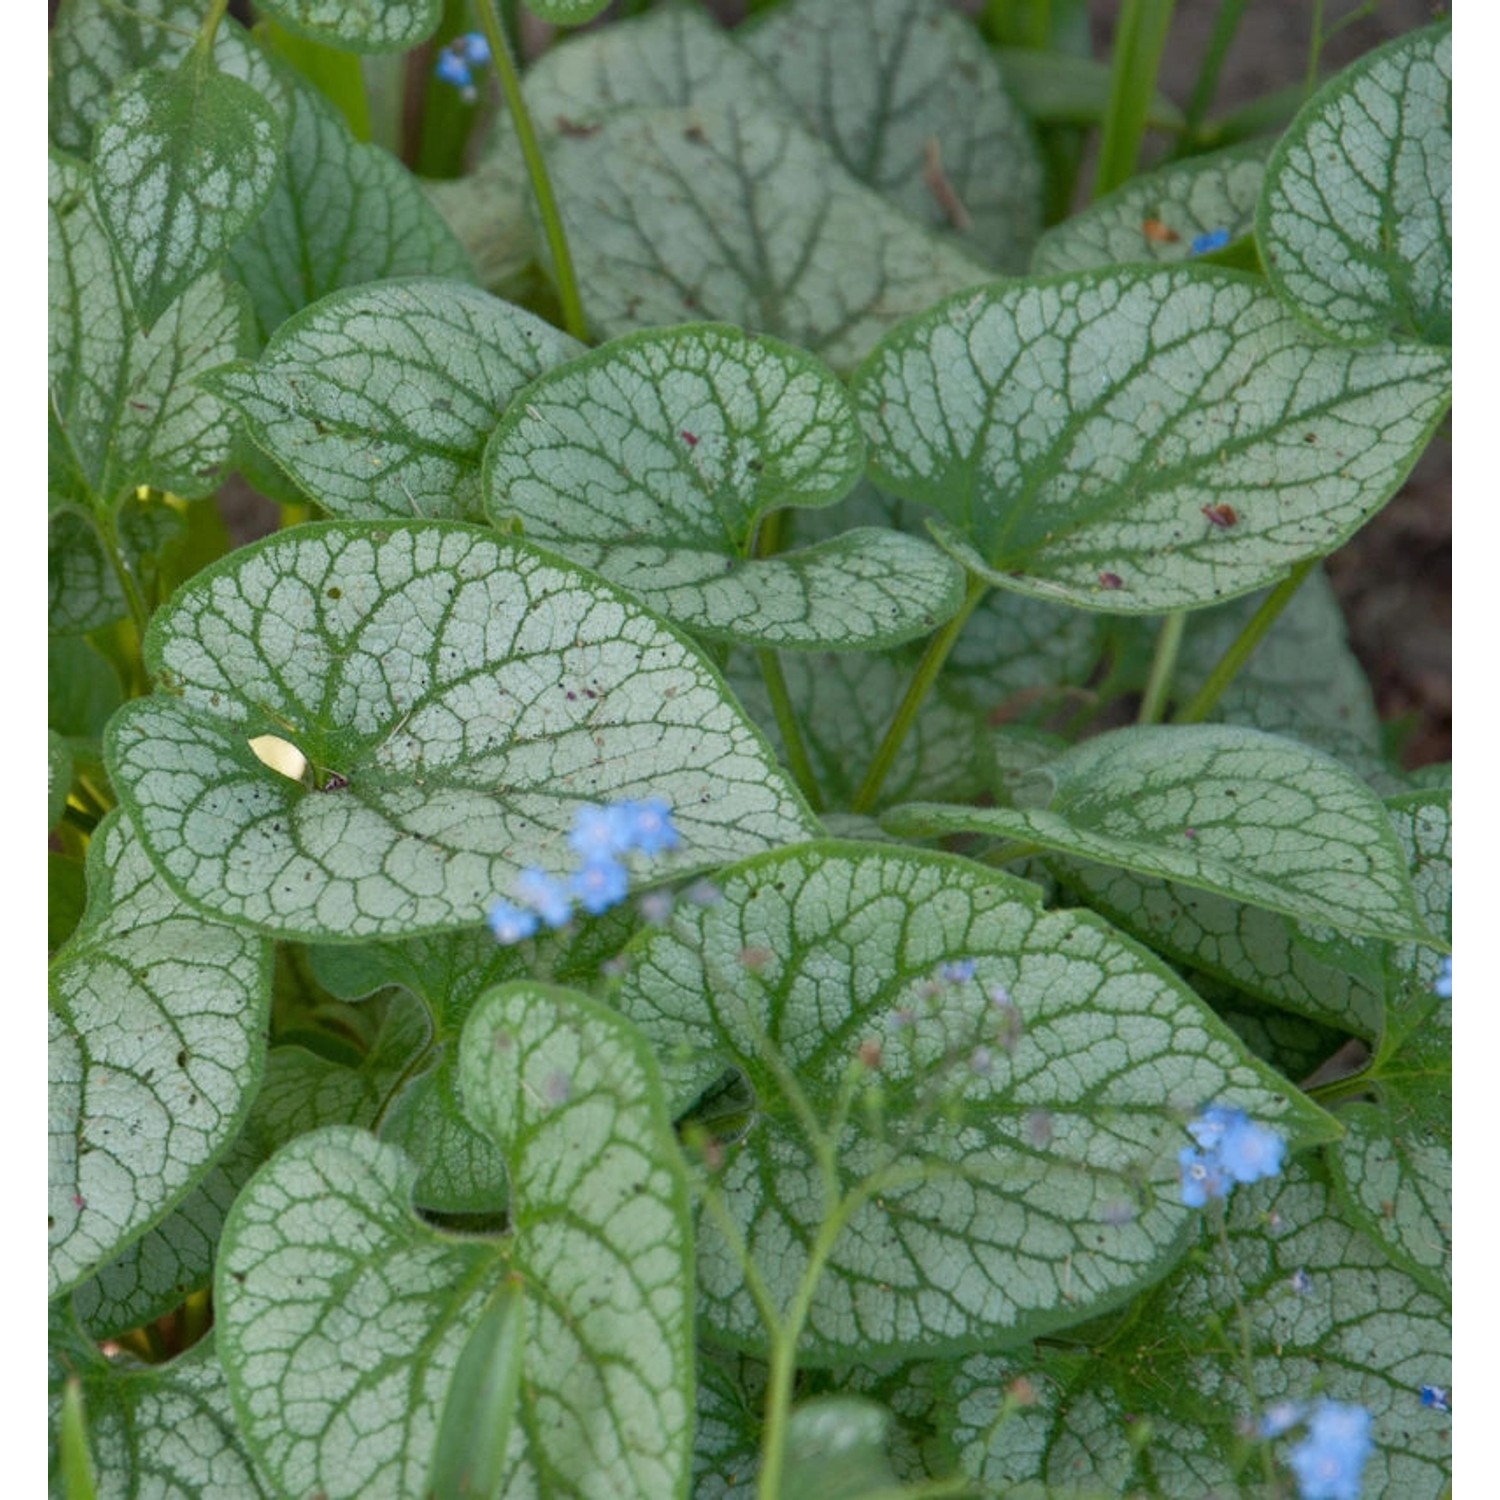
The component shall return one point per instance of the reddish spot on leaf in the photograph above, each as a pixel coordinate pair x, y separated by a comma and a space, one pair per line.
1111, 581
1190, 833
1158, 233
1221, 515
566, 126
689, 438
78, 1200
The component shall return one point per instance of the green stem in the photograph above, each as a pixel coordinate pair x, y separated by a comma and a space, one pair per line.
536, 169
209, 29
1246, 1351
1226, 24
1203, 701
1163, 667
916, 694
1139, 40
106, 524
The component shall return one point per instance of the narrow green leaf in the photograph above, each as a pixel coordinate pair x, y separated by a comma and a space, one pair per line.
1141, 440
1155, 218
359, 25
83, 689
739, 215
340, 214
481, 1406
996, 1198
122, 408
336, 1303
1246, 815
914, 104
1328, 1318
67, 895
59, 776
155, 1045
458, 697
76, 1461
1356, 215
183, 161
1055, 88
378, 399
654, 459
164, 1430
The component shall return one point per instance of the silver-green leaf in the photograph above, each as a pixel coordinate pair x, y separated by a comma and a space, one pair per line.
1356, 216
1247, 815
341, 213
378, 399
1141, 440
359, 25
156, 1044
913, 103
457, 698
994, 1196
739, 215
183, 162
655, 459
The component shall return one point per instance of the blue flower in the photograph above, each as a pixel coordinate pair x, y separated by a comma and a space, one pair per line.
1328, 1462
1233, 1148
1443, 984
1437, 1397
452, 68
960, 971
1280, 1418
511, 924
473, 46
649, 826
601, 832
599, 884
1215, 239
545, 894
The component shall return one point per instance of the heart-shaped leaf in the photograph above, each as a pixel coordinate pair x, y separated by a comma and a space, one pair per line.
122, 408
1247, 815
655, 459
378, 399
987, 1196
1141, 440
359, 25
913, 103
155, 1047
566, 12
739, 215
183, 162
1158, 216
341, 213
1356, 215
457, 696
83, 589
599, 1237
1326, 1318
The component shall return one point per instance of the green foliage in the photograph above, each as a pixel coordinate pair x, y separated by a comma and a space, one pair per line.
844, 1156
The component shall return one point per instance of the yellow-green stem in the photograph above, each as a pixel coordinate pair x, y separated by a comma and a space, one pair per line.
926, 674
1163, 668
1140, 36
1203, 701
536, 170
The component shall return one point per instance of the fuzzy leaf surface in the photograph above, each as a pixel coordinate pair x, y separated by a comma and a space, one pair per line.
341, 213
182, 163
914, 104
471, 692
1000, 1191
1078, 433
1246, 815
1154, 218
378, 399
654, 459
1356, 215
122, 407
325, 1232
155, 1045
741, 216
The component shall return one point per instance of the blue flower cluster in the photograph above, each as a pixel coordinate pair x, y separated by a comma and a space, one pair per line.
459, 58
601, 837
1231, 1148
1329, 1461
1215, 239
